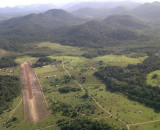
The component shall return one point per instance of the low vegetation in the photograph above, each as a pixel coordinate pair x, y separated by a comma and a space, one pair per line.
132, 81
68, 89
153, 78
83, 123
71, 111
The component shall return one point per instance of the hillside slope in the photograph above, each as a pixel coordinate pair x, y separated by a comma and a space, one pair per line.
110, 31
148, 10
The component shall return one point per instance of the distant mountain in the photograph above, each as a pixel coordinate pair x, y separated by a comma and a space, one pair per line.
120, 10
125, 21
92, 13
57, 25
127, 4
10, 12
148, 10
101, 13
35, 23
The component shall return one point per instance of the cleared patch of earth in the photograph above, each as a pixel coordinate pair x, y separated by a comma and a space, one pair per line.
35, 106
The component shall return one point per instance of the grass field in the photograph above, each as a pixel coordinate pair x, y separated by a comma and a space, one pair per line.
61, 49
154, 81
22, 59
128, 111
7, 114
3, 52
119, 60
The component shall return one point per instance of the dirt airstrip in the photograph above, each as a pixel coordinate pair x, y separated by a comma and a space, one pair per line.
35, 107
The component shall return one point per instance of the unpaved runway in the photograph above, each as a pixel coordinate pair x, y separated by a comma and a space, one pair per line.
35, 107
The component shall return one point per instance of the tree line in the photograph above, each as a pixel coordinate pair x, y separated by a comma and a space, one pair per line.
131, 81
8, 61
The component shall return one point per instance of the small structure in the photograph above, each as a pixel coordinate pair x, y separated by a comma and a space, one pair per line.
51, 76
11, 71
48, 77
140, 112
94, 67
46, 66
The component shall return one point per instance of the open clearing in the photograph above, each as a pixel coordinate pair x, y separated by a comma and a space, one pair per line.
154, 81
120, 60
35, 107
117, 104
22, 59
61, 49
3, 52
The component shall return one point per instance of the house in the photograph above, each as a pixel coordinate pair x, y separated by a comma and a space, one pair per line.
140, 112
51, 76
94, 67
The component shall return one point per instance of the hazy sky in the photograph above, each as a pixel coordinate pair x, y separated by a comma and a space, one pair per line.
4, 3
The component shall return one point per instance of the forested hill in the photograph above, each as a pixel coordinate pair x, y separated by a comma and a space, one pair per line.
34, 27
108, 32
148, 10
65, 28
38, 22
126, 21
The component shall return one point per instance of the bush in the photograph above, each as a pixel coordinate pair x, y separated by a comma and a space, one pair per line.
155, 76
83, 123
68, 89
43, 61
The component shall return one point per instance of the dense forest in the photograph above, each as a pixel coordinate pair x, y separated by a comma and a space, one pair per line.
7, 61
131, 81
10, 89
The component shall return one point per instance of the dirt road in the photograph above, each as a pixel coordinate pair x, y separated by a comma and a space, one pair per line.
35, 107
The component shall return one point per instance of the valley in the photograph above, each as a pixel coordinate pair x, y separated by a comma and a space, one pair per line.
81, 67
77, 72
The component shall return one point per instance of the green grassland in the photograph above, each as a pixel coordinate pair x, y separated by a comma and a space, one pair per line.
151, 126
120, 60
117, 104
7, 53
61, 49
81, 67
3, 52
6, 115
22, 59
72, 98
154, 81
